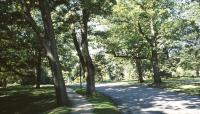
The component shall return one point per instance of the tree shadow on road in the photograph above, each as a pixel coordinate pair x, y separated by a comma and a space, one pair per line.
146, 100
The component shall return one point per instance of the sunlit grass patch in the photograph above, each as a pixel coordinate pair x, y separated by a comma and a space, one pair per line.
187, 85
189, 88
59, 110
101, 104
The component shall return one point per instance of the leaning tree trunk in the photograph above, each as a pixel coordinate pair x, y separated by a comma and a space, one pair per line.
88, 61
80, 55
139, 70
154, 63
78, 49
51, 50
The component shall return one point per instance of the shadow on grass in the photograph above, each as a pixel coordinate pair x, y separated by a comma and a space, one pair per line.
27, 100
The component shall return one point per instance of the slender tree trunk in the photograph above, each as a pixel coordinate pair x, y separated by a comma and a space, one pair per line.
78, 49
89, 65
80, 73
38, 69
4, 82
80, 55
139, 70
154, 63
60, 89
197, 71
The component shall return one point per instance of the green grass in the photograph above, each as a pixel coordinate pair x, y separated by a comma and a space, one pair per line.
101, 104
59, 110
187, 85
191, 89
28, 100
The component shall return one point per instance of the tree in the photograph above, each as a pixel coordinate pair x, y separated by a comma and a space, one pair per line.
17, 46
125, 40
49, 43
145, 20
52, 54
88, 8
193, 17
90, 67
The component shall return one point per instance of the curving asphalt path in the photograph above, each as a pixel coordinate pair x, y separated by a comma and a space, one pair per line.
146, 100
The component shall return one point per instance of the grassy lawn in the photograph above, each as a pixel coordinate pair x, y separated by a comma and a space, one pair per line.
191, 89
28, 100
101, 104
187, 85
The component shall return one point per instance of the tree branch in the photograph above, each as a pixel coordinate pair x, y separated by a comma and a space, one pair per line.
143, 34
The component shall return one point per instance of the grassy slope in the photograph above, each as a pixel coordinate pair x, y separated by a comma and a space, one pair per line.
27, 100
101, 104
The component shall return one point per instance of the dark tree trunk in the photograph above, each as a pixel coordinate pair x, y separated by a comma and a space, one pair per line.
78, 49
154, 63
80, 55
90, 77
154, 56
51, 50
197, 71
38, 69
80, 73
89, 65
4, 82
139, 70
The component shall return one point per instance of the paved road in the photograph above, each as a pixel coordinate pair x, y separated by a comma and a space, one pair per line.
145, 100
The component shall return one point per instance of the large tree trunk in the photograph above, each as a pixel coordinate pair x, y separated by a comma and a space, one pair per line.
154, 63
88, 61
154, 55
51, 50
38, 69
139, 70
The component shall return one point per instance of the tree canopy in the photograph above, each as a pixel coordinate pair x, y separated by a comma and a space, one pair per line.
59, 41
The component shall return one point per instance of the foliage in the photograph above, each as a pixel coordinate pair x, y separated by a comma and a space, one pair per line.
164, 35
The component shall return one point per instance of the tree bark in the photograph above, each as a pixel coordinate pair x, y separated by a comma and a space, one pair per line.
4, 82
78, 49
80, 55
197, 71
139, 70
89, 65
154, 55
38, 69
60, 89
80, 73
154, 63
